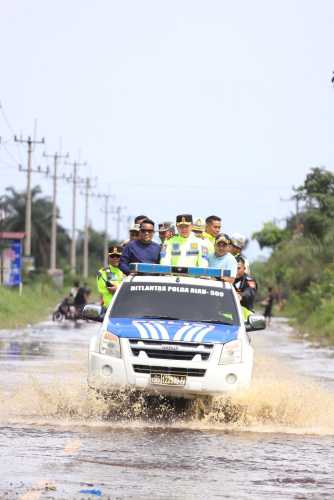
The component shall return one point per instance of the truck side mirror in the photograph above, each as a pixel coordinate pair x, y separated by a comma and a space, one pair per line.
255, 322
93, 312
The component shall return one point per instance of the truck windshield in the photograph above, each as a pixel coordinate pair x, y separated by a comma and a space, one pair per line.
175, 301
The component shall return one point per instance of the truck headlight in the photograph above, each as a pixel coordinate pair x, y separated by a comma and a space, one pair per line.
110, 345
231, 353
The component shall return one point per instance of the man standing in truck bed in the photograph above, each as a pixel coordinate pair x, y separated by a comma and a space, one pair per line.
184, 249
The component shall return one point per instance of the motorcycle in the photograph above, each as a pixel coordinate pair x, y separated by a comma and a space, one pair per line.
67, 310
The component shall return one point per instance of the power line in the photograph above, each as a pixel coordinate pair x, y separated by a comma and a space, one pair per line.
9, 153
6, 119
195, 187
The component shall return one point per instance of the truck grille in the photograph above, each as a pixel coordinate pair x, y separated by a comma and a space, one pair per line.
190, 372
171, 350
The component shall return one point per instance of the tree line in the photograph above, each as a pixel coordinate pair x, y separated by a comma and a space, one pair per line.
12, 205
301, 264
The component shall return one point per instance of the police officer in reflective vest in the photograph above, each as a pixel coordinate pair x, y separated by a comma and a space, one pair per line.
110, 277
184, 249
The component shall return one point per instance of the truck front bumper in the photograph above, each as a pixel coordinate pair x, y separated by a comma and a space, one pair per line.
108, 374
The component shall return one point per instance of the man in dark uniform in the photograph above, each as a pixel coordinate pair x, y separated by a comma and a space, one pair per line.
246, 287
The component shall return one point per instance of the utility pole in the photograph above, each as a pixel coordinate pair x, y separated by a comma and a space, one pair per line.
86, 193
55, 177
29, 170
119, 210
106, 210
75, 181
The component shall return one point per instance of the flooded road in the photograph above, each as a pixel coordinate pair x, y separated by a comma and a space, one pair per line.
57, 440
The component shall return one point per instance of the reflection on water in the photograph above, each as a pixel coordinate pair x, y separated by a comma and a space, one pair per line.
24, 350
274, 440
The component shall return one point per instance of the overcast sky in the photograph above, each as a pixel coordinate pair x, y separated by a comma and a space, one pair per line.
177, 106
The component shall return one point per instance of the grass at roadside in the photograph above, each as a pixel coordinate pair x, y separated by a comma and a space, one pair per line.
312, 319
35, 304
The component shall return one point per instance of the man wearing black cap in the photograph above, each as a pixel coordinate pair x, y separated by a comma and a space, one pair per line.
184, 249
109, 278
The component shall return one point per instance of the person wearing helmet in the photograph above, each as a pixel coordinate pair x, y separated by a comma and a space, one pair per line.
166, 231
223, 259
110, 277
238, 241
199, 227
134, 232
184, 249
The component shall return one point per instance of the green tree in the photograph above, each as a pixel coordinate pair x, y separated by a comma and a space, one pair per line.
318, 191
270, 235
13, 203
317, 195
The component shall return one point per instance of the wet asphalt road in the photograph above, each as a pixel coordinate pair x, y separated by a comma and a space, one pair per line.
58, 441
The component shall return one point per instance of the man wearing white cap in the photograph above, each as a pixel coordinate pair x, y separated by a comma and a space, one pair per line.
223, 259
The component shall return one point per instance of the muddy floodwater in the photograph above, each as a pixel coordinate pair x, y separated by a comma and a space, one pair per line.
58, 440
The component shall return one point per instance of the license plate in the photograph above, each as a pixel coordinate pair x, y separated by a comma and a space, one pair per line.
166, 379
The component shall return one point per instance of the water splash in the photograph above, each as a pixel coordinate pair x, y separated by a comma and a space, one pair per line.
278, 401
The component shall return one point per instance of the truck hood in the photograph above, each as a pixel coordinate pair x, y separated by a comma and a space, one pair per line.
173, 331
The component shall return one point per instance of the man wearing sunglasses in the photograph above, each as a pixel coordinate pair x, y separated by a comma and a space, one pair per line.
141, 250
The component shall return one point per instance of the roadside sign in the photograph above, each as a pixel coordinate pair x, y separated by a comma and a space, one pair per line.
11, 264
11, 258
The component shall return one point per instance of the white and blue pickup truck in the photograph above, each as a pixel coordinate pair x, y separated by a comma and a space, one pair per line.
172, 331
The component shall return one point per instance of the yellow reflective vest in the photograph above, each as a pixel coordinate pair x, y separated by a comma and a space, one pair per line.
106, 277
185, 252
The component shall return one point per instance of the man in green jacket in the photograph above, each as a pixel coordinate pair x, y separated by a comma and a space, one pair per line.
110, 277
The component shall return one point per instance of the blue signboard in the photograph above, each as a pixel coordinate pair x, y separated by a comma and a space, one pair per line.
12, 263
